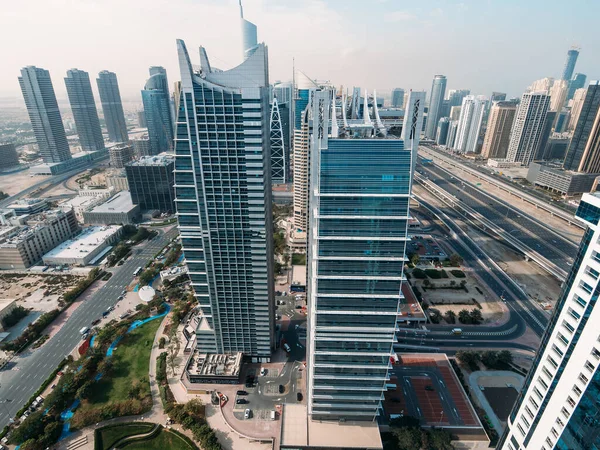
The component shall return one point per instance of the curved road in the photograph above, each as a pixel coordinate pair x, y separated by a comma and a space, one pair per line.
21, 381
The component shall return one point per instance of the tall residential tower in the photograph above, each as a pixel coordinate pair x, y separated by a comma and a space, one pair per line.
436, 97
223, 201
44, 114
528, 128
572, 56
469, 124
112, 107
157, 109
499, 125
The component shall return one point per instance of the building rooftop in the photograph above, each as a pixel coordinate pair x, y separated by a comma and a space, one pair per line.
120, 202
299, 275
35, 223
26, 202
212, 364
162, 159
84, 243
297, 429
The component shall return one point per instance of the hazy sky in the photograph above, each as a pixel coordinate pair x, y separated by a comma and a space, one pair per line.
482, 45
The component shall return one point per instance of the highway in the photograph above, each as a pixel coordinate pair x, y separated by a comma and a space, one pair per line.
32, 367
526, 229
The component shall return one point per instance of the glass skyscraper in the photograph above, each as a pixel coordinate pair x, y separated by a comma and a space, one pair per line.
397, 98
81, 98
112, 107
572, 56
157, 109
151, 183
436, 98
44, 114
360, 190
223, 200
559, 407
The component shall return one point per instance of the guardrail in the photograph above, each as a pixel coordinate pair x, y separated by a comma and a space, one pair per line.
488, 225
537, 202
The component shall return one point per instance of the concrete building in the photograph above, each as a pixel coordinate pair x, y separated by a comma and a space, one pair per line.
44, 114
356, 254
86, 200
529, 124
455, 97
78, 161
577, 82
558, 95
157, 108
469, 124
436, 97
441, 136
8, 156
83, 106
120, 155
118, 181
224, 212
213, 368
497, 97
583, 151
25, 206
572, 56
452, 130
112, 107
541, 85
88, 247
301, 175
141, 119
117, 210
40, 234
397, 98
576, 106
559, 401
499, 125
141, 146
565, 182
455, 112
151, 182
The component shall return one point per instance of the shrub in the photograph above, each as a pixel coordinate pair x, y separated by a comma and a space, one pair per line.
458, 273
32, 332
14, 316
419, 274
433, 273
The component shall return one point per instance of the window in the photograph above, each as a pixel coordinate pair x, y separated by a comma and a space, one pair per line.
552, 362
549, 442
525, 421
543, 383
554, 433
533, 402
538, 393
528, 411
521, 430
560, 422
573, 314
577, 390
565, 413
596, 256
589, 366
557, 350
595, 353
547, 372
568, 326
571, 402
586, 287
583, 378
562, 338
591, 272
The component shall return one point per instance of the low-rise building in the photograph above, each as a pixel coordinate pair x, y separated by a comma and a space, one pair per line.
29, 206
117, 181
118, 209
86, 248
503, 163
298, 278
40, 234
79, 160
213, 368
555, 178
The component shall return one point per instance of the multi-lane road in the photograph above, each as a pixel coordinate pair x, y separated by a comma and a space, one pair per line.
22, 379
528, 230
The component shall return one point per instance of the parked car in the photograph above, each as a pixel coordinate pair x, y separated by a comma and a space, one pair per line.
241, 401
299, 396
241, 392
247, 413
429, 388
95, 322
281, 388
263, 371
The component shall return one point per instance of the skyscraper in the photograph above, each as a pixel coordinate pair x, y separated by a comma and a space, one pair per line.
157, 109
81, 98
497, 97
528, 127
452, 128
359, 203
301, 176
584, 130
558, 406
397, 98
497, 135
577, 82
277, 144
469, 124
436, 97
44, 114
224, 211
151, 183
572, 55
413, 122
576, 105
558, 95
455, 97
112, 107
441, 135
543, 84
249, 35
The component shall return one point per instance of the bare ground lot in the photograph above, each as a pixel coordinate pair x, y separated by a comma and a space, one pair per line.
38, 292
15, 182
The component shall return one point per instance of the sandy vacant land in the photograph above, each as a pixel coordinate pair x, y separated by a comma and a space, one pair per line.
39, 292
14, 183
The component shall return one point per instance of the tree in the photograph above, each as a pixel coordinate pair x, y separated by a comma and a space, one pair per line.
415, 259
452, 283
439, 439
490, 359
435, 316
505, 357
286, 259
426, 282
408, 438
476, 316
456, 259
450, 316
468, 358
464, 316
85, 390
172, 362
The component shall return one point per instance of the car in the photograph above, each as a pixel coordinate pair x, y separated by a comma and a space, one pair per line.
298, 307
287, 348
240, 392
429, 388
247, 413
241, 401
53, 386
112, 308
281, 388
277, 317
95, 322
299, 396
105, 313
297, 326
263, 371
123, 292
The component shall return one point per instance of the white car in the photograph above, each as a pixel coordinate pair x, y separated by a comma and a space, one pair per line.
247, 413
263, 371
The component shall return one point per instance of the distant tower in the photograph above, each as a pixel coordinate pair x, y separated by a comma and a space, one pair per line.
157, 110
499, 124
528, 128
577, 82
398, 98
572, 56
44, 114
442, 131
249, 35
469, 123
112, 107
436, 97
79, 90
278, 165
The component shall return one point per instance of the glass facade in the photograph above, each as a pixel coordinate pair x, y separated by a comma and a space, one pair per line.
112, 107
152, 185
223, 200
356, 255
157, 109
301, 104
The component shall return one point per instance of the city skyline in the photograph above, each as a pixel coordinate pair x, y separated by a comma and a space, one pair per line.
326, 20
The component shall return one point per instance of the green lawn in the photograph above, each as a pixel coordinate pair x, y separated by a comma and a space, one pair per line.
111, 434
131, 361
299, 259
165, 440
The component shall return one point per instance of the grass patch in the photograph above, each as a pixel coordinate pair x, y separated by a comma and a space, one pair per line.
298, 259
130, 360
458, 273
435, 274
166, 439
108, 436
